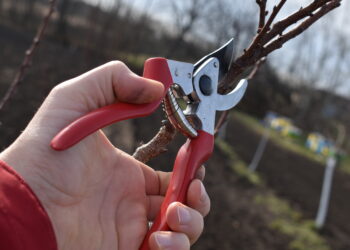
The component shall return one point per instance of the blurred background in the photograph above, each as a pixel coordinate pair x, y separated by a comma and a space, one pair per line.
294, 120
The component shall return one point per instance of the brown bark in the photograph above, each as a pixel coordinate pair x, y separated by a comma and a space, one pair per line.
157, 145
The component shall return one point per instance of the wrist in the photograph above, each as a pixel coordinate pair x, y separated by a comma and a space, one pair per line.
20, 161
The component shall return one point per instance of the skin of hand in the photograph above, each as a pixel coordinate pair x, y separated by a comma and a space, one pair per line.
97, 196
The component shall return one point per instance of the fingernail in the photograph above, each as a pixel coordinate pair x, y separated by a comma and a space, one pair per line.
183, 215
203, 194
163, 240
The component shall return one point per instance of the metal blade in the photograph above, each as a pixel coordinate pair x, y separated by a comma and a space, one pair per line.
225, 56
228, 101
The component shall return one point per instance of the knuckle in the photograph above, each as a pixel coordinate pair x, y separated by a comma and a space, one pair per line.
116, 65
200, 224
58, 89
186, 242
207, 207
194, 228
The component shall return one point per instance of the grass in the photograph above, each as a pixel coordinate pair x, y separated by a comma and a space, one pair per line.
286, 220
295, 145
289, 222
237, 165
344, 164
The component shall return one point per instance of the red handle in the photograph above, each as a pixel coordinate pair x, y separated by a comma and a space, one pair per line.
155, 68
189, 158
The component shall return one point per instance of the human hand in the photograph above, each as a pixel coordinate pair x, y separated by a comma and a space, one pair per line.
97, 196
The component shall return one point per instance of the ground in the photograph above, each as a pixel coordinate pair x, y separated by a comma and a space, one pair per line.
298, 180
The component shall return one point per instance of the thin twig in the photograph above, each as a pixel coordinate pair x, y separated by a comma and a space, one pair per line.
221, 122
263, 13
157, 145
256, 44
26, 63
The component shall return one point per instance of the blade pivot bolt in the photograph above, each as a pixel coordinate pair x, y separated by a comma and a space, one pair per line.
205, 85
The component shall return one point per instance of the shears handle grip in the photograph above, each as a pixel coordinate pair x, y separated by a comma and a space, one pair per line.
154, 68
189, 158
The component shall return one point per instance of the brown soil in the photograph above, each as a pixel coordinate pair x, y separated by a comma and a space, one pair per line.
235, 221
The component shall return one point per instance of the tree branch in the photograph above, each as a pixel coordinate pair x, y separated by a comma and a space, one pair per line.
278, 43
263, 13
26, 63
263, 44
256, 44
258, 50
294, 18
157, 145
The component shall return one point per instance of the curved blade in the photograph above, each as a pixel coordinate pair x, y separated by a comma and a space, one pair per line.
225, 56
228, 101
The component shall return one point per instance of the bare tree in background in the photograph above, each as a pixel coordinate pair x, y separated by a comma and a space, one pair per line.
143, 22
13, 10
109, 19
1, 7
29, 7
61, 25
27, 60
186, 15
223, 21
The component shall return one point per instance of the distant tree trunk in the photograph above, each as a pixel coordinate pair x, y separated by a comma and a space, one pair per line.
13, 10
61, 26
28, 14
105, 31
1, 6
186, 19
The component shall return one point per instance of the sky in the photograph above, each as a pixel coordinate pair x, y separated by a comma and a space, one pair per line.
278, 58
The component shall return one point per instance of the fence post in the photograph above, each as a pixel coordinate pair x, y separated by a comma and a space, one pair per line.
260, 150
326, 191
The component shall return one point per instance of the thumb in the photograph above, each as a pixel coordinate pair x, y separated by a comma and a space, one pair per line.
105, 85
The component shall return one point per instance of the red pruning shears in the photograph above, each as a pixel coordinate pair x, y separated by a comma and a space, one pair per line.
197, 84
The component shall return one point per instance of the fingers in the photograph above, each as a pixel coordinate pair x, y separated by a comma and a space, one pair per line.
183, 219
186, 224
157, 183
151, 179
132, 88
107, 84
169, 241
197, 197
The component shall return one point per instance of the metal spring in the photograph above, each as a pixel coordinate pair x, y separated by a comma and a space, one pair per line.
176, 116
